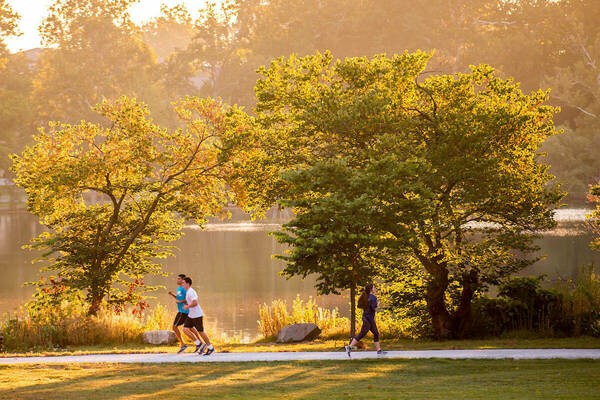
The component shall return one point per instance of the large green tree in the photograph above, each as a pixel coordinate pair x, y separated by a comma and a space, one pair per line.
331, 234
449, 162
147, 180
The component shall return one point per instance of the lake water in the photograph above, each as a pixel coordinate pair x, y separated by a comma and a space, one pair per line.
234, 272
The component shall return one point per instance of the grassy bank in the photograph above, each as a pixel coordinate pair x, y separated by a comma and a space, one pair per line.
379, 379
582, 342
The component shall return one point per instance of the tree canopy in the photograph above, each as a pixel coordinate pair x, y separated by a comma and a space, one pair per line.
149, 180
429, 157
93, 51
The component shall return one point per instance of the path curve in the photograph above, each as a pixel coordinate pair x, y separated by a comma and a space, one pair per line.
517, 354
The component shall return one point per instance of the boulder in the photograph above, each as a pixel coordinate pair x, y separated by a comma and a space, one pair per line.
298, 333
159, 337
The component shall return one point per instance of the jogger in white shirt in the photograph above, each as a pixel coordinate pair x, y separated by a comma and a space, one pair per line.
194, 319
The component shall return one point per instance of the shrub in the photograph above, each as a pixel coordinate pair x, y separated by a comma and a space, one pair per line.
581, 302
522, 304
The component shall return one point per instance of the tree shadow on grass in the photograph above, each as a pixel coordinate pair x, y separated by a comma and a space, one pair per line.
375, 379
110, 381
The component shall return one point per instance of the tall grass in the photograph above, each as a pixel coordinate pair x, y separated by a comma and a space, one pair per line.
275, 316
67, 324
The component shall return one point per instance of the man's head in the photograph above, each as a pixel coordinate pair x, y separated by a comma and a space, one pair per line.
187, 282
180, 278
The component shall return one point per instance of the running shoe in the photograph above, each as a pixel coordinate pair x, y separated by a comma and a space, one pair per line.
381, 353
209, 351
182, 348
198, 347
203, 347
348, 350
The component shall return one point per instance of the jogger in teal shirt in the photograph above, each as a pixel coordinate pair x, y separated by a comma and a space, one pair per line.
182, 313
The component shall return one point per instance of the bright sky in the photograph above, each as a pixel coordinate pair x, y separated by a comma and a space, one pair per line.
33, 11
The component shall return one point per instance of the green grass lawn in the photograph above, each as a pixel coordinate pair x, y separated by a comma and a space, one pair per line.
372, 379
334, 345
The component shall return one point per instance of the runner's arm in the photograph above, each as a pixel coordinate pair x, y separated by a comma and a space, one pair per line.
194, 303
374, 303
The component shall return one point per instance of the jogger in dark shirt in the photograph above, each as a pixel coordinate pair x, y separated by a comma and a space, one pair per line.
368, 302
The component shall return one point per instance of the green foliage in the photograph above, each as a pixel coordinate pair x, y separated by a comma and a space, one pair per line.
409, 163
330, 234
323, 111
581, 304
523, 304
145, 180
593, 219
93, 51
403, 297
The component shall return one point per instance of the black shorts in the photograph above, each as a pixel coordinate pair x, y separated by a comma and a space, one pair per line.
180, 319
194, 323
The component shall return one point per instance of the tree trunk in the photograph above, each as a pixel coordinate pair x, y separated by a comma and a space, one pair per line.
440, 318
352, 310
463, 317
95, 303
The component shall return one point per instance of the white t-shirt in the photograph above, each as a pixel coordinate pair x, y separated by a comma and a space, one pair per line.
196, 311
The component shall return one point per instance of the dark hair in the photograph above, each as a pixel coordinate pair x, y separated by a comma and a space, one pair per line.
181, 276
363, 300
188, 280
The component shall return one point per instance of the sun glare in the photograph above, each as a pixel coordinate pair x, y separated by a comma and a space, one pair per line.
32, 13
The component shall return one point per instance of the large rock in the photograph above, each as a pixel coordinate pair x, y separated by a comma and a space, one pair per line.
159, 337
298, 333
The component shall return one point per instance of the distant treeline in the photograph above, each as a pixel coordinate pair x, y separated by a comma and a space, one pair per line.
93, 51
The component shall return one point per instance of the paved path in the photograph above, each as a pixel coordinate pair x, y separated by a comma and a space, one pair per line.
292, 356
